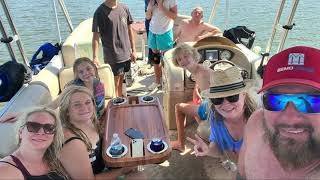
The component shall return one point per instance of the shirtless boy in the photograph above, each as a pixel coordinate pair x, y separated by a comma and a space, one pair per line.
187, 57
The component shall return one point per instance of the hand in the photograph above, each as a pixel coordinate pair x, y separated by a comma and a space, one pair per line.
9, 118
133, 57
200, 147
96, 61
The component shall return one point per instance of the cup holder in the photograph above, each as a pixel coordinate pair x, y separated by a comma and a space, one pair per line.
112, 154
157, 146
119, 101
148, 99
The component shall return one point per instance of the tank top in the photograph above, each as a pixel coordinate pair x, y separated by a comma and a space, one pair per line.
95, 155
28, 176
221, 136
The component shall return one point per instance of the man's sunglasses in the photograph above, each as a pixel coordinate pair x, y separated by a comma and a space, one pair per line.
35, 127
305, 103
218, 101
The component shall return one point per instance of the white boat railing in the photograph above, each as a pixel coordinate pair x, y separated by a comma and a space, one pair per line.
15, 38
66, 14
213, 11
284, 29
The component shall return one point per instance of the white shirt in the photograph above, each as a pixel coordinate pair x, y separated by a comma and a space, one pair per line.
160, 23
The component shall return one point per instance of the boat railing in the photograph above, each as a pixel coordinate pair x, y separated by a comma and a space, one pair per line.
284, 29
8, 39
66, 14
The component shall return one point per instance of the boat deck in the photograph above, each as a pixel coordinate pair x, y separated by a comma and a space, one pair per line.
180, 165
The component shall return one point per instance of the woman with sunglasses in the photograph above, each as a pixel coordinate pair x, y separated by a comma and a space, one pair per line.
40, 138
81, 155
231, 107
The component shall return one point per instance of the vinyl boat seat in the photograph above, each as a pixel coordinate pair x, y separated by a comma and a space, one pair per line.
106, 76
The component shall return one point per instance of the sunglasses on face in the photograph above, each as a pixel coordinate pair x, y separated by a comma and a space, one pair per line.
231, 99
35, 127
305, 103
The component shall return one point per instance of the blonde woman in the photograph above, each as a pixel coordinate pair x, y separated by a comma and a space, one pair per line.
40, 139
81, 154
231, 107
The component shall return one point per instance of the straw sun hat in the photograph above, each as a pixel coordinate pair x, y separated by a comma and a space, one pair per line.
226, 80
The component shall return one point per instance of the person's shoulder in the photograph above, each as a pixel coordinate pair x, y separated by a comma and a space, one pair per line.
67, 133
124, 7
8, 171
75, 82
255, 120
97, 81
100, 8
72, 141
185, 21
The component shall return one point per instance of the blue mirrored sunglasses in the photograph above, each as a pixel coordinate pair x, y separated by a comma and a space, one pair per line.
305, 103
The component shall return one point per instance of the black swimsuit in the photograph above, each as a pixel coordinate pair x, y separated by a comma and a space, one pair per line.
95, 156
28, 176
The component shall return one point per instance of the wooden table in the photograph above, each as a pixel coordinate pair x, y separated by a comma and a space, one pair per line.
146, 117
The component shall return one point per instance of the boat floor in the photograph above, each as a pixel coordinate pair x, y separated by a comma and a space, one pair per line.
180, 165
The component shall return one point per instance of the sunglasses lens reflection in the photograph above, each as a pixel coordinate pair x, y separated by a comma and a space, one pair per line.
304, 103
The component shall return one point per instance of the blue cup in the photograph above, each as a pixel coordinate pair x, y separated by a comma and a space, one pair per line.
156, 145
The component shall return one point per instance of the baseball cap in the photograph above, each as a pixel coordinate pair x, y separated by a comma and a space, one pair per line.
296, 65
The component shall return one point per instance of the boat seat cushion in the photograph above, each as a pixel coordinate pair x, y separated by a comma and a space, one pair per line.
106, 77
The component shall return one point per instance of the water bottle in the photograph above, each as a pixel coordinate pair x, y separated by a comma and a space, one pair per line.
116, 145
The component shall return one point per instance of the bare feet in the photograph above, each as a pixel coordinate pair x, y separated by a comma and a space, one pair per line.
176, 145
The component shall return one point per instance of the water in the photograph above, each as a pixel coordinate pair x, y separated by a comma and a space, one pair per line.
116, 145
35, 19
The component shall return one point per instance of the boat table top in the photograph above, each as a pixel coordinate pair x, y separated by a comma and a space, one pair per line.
147, 117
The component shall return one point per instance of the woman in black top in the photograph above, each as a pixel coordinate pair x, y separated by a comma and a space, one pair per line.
81, 153
40, 139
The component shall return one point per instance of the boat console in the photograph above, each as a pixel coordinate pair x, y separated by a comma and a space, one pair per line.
178, 83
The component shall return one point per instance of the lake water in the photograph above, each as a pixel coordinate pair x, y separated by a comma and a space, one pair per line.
35, 19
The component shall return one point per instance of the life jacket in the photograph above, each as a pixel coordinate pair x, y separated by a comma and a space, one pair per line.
48, 52
12, 76
240, 34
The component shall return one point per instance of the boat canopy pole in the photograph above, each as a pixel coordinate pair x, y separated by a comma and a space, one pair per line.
289, 25
226, 20
57, 20
5, 39
66, 15
213, 10
283, 29
16, 35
